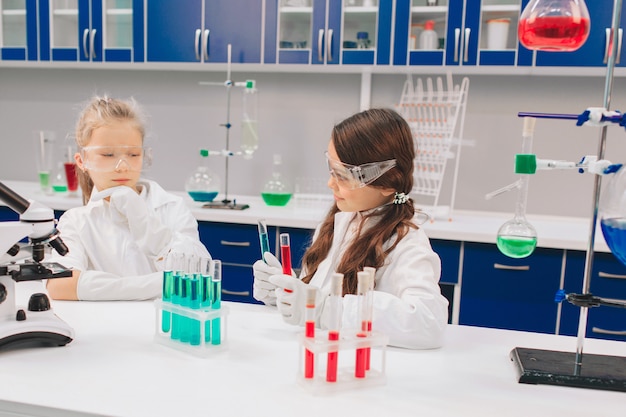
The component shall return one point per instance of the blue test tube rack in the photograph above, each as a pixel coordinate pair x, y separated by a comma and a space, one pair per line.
346, 348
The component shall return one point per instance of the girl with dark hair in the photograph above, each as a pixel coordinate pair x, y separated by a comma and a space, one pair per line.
373, 223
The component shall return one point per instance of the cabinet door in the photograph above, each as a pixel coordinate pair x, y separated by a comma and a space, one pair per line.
18, 30
174, 31
490, 50
234, 22
593, 52
449, 252
501, 292
122, 30
373, 19
608, 280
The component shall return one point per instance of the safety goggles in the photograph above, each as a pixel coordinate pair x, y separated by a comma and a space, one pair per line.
114, 158
357, 176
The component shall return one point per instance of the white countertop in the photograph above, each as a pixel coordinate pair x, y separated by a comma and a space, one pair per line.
115, 368
552, 231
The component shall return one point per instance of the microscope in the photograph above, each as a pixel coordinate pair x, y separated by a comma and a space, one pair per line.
34, 325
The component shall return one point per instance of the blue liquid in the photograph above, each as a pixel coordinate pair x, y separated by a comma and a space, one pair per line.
207, 301
185, 301
614, 231
194, 296
168, 288
203, 196
176, 294
216, 332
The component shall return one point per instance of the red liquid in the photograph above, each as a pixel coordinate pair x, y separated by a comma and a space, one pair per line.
70, 175
309, 357
361, 357
331, 366
553, 33
369, 350
285, 257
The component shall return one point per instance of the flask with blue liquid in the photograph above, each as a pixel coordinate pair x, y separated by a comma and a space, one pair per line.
612, 213
204, 184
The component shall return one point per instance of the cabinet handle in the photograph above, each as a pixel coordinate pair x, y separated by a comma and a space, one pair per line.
92, 42
511, 267
205, 41
238, 293
613, 332
619, 45
607, 44
320, 44
329, 45
238, 244
613, 276
197, 44
457, 35
85, 36
468, 31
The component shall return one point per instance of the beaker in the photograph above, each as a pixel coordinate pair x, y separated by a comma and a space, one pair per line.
44, 149
277, 191
554, 25
204, 184
69, 165
612, 213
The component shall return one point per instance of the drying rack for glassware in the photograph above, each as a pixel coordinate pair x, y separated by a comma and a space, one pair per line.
436, 117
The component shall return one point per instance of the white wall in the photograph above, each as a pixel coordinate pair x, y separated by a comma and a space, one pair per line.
297, 112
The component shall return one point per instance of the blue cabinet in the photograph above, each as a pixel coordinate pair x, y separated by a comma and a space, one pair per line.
505, 293
595, 51
91, 30
19, 30
608, 280
462, 29
200, 31
328, 33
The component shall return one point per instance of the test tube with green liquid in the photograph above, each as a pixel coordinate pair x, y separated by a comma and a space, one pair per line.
216, 331
178, 273
168, 289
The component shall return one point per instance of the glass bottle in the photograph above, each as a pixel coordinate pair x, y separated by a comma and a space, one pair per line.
59, 183
204, 184
554, 25
249, 121
277, 191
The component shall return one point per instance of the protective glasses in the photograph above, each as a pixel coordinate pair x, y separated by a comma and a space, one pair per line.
357, 176
114, 158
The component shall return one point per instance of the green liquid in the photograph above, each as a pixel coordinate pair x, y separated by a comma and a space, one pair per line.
44, 180
59, 188
516, 247
168, 289
276, 199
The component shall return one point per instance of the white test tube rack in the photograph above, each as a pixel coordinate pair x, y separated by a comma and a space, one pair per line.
206, 344
346, 347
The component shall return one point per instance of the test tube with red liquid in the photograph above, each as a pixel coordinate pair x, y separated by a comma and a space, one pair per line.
334, 304
285, 255
70, 171
369, 308
361, 353
309, 331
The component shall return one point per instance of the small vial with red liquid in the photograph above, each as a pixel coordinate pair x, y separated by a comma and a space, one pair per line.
285, 255
363, 316
309, 331
334, 304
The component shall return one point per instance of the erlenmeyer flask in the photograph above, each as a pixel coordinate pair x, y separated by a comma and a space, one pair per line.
554, 25
204, 184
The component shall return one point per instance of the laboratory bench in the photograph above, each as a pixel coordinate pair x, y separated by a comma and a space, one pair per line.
476, 278
114, 367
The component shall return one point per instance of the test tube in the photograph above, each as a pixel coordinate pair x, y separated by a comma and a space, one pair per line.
334, 303
193, 292
369, 309
285, 255
178, 260
168, 289
206, 299
309, 331
265, 244
217, 301
361, 353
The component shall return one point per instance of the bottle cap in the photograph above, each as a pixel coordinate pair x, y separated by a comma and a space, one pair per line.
204, 153
429, 25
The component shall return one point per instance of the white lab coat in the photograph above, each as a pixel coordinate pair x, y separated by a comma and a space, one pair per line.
112, 265
408, 305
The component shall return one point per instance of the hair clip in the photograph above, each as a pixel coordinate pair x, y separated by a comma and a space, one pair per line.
400, 198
